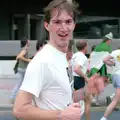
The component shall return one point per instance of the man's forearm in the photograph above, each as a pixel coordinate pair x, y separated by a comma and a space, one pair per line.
110, 63
79, 72
30, 112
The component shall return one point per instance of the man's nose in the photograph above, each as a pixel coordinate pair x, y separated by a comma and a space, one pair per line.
64, 27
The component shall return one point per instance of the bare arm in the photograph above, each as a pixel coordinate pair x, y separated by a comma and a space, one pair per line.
78, 70
109, 61
23, 108
21, 56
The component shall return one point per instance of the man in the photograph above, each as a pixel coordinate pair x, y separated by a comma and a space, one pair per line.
46, 80
97, 56
79, 64
96, 59
79, 67
113, 60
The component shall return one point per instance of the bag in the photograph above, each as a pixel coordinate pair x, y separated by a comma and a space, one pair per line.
16, 67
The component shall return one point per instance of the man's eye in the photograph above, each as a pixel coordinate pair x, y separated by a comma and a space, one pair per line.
68, 21
58, 22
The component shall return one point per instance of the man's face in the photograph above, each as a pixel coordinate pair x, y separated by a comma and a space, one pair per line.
109, 41
60, 28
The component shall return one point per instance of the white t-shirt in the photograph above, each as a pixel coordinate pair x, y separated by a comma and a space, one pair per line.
79, 59
116, 55
47, 79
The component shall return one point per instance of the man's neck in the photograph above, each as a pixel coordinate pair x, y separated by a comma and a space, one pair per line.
64, 49
83, 51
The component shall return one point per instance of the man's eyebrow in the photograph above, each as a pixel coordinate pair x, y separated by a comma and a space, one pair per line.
62, 20
69, 19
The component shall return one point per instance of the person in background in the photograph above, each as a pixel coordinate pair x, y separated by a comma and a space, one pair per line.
96, 59
46, 93
79, 64
113, 60
23, 60
79, 67
40, 44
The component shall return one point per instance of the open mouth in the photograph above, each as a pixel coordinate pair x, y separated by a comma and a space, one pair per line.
61, 35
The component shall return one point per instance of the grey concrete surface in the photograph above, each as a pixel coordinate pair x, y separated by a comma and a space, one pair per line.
6, 86
94, 116
109, 90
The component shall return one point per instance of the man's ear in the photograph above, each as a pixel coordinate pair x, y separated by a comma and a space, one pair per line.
46, 25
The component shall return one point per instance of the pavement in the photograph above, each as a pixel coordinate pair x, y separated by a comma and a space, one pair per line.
94, 116
7, 83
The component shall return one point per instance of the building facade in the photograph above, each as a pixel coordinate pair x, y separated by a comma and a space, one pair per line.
15, 26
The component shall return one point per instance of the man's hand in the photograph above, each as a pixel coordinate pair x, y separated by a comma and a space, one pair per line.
72, 112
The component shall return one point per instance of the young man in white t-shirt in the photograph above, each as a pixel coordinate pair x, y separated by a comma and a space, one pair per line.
79, 63
46, 80
113, 60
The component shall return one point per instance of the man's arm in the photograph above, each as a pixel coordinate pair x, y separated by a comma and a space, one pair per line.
78, 70
109, 61
24, 109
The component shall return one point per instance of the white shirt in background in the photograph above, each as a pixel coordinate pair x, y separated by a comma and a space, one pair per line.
79, 59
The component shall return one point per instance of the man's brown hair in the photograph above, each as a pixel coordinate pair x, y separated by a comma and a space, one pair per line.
70, 7
80, 45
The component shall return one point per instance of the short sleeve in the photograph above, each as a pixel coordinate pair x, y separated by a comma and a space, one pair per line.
34, 79
80, 61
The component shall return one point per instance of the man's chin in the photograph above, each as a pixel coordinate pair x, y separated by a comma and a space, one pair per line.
63, 45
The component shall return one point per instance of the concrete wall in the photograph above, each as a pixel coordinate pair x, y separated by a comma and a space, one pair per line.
12, 47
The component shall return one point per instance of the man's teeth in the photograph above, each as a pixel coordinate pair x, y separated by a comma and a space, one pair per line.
63, 35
